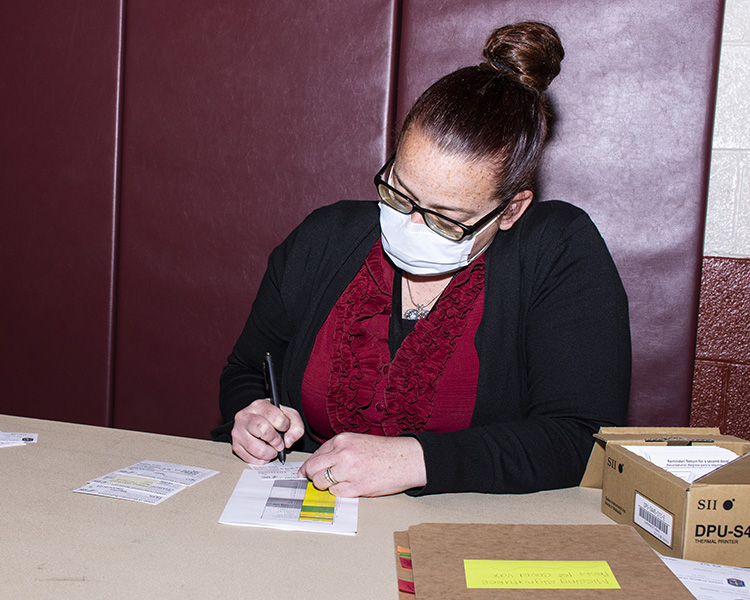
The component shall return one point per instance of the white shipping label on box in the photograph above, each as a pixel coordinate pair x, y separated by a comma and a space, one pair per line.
653, 519
687, 462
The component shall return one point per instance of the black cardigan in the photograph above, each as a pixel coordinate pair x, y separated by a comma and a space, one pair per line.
553, 344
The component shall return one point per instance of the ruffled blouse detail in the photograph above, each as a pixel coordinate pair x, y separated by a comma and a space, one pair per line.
360, 358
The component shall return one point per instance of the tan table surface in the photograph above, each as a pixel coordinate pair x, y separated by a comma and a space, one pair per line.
58, 544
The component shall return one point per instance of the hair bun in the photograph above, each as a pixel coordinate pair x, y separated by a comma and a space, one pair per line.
528, 52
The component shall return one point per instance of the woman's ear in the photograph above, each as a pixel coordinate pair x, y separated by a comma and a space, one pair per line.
515, 209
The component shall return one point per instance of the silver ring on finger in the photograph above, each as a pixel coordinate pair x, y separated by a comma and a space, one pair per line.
329, 478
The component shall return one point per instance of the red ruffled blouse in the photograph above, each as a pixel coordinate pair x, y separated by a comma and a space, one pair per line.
351, 384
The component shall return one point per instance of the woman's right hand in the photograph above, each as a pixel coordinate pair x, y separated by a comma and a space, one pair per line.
258, 430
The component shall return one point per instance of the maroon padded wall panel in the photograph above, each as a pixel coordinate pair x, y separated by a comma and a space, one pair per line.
635, 103
240, 118
59, 67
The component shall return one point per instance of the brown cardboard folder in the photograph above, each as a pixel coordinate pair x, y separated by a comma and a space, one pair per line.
438, 551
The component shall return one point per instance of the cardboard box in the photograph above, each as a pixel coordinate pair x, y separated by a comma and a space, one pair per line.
708, 520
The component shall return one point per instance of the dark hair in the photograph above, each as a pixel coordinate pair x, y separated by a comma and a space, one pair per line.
497, 110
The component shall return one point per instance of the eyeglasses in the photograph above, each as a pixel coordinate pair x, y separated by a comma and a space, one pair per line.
440, 224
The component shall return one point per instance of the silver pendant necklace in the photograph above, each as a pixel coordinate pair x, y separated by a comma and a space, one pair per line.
420, 311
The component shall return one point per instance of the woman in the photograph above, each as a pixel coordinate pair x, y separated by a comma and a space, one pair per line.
455, 336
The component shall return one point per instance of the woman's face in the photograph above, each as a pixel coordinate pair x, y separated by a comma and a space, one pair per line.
451, 185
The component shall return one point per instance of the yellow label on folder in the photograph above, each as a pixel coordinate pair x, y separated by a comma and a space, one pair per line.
540, 574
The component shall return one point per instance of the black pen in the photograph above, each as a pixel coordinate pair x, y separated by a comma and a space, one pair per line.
273, 389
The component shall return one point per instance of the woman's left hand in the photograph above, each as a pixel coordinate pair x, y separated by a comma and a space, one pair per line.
366, 465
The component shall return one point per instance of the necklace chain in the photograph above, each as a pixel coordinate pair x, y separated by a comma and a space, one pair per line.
420, 311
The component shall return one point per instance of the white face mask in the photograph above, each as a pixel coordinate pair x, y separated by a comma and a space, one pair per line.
416, 249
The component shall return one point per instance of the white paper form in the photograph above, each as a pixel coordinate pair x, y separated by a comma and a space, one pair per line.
686, 462
148, 481
172, 472
13, 438
9, 444
711, 582
277, 470
263, 499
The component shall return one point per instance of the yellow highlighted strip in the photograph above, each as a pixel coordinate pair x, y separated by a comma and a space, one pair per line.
317, 505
